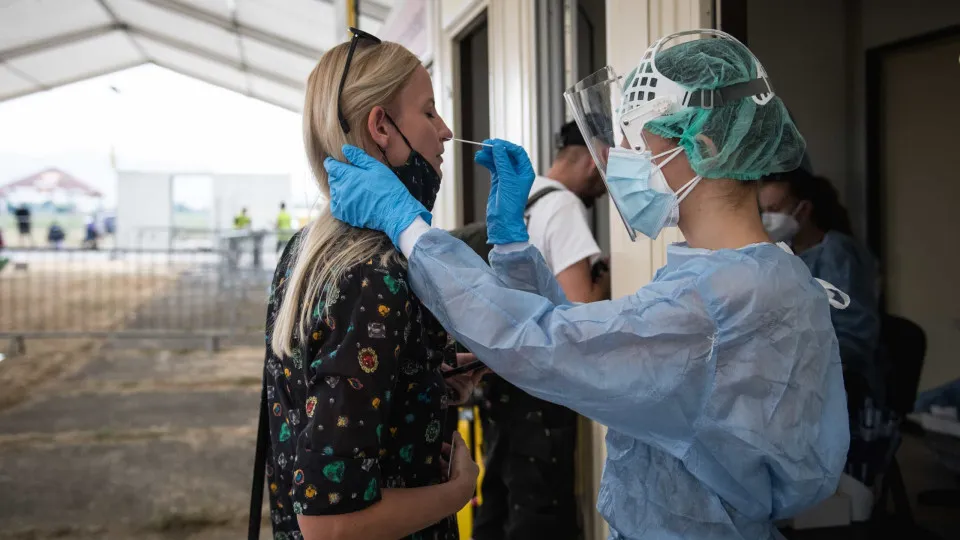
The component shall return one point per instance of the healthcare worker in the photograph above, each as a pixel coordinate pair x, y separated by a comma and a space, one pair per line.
720, 381
805, 211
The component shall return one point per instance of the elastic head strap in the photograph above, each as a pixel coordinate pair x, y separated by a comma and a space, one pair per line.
708, 99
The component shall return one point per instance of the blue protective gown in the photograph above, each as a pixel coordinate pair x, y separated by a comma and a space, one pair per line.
848, 265
720, 381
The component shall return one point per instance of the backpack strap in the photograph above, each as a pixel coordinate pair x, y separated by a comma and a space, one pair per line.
259, 467
539, 195
536, 198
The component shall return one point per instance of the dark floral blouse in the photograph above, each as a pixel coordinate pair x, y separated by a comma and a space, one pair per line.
361, 406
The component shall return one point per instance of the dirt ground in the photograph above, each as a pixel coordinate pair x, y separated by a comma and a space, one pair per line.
41, 298
153, 444
123, 437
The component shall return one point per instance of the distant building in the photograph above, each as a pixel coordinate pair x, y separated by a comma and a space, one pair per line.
51, 187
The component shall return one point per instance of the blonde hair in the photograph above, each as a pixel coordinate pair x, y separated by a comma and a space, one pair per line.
327, 248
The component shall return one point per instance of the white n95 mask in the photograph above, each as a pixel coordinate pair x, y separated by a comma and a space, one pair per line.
780, 226
640, 191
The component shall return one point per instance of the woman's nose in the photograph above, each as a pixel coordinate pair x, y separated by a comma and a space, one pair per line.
445, 133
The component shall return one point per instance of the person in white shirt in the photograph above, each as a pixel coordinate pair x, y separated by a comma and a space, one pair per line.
528, 486
558, 224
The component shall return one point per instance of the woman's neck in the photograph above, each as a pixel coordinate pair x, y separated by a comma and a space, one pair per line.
709, 219
806, 239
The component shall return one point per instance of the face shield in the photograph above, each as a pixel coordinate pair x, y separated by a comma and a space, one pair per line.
612, 110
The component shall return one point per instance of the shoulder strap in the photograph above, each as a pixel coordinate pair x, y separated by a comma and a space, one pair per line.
539, 195
259, 466
534, 199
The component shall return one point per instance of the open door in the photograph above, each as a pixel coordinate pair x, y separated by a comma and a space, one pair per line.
474, 116
919, 195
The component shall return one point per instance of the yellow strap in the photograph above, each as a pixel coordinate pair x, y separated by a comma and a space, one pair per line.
352, 13
478, 450
465, 515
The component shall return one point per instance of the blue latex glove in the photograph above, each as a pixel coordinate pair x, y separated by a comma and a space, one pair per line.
511, 179
366, 193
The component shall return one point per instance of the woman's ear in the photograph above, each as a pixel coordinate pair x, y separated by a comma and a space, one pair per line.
707, 142
377, 126
804, 211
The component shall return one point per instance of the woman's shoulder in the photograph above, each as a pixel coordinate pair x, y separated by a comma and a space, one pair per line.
842, 245
382, 274
758, 275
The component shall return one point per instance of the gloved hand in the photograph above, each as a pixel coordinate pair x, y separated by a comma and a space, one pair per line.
511, 179
366, 193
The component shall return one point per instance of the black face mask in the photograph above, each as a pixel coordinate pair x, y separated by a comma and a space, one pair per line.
417, 174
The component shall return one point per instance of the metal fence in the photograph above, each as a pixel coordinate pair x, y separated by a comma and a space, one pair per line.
212, 293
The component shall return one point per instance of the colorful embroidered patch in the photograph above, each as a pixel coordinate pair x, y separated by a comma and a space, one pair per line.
391, 284
334, 471
368, 360
433, 430
377, 330
371, 491
406, 453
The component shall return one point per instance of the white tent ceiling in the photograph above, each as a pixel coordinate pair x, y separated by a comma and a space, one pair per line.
262, 48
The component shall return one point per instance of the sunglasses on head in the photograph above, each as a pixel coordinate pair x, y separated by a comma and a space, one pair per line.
358, 35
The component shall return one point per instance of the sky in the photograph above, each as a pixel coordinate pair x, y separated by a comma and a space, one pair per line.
157, 120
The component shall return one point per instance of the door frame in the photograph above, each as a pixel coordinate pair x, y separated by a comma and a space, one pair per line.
875, 188
479, 17
731, 17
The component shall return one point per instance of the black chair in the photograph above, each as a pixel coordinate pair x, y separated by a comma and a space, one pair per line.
903, 346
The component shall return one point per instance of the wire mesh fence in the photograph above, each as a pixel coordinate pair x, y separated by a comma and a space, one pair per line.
216, 292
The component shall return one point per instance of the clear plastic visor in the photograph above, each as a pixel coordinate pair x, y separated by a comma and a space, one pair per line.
595, 101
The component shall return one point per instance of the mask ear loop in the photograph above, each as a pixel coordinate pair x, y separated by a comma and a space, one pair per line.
686, 188
830, 288
402, 136
672, 153
796, 209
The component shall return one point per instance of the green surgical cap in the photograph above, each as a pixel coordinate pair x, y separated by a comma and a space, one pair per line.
748, 140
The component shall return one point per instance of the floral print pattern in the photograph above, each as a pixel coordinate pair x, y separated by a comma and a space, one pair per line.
371, 360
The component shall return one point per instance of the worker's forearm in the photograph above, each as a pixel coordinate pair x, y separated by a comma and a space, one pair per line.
400, 513
598, 293
594, 293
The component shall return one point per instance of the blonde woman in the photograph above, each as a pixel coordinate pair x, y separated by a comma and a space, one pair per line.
353, 374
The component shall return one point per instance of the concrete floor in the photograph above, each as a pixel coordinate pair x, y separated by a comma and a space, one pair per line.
158, 444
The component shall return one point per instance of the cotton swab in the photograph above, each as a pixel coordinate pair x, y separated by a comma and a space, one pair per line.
471, 142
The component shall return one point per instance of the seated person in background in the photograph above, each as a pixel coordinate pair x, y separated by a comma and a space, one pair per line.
804, 211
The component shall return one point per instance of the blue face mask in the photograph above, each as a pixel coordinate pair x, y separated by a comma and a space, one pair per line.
640, 191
